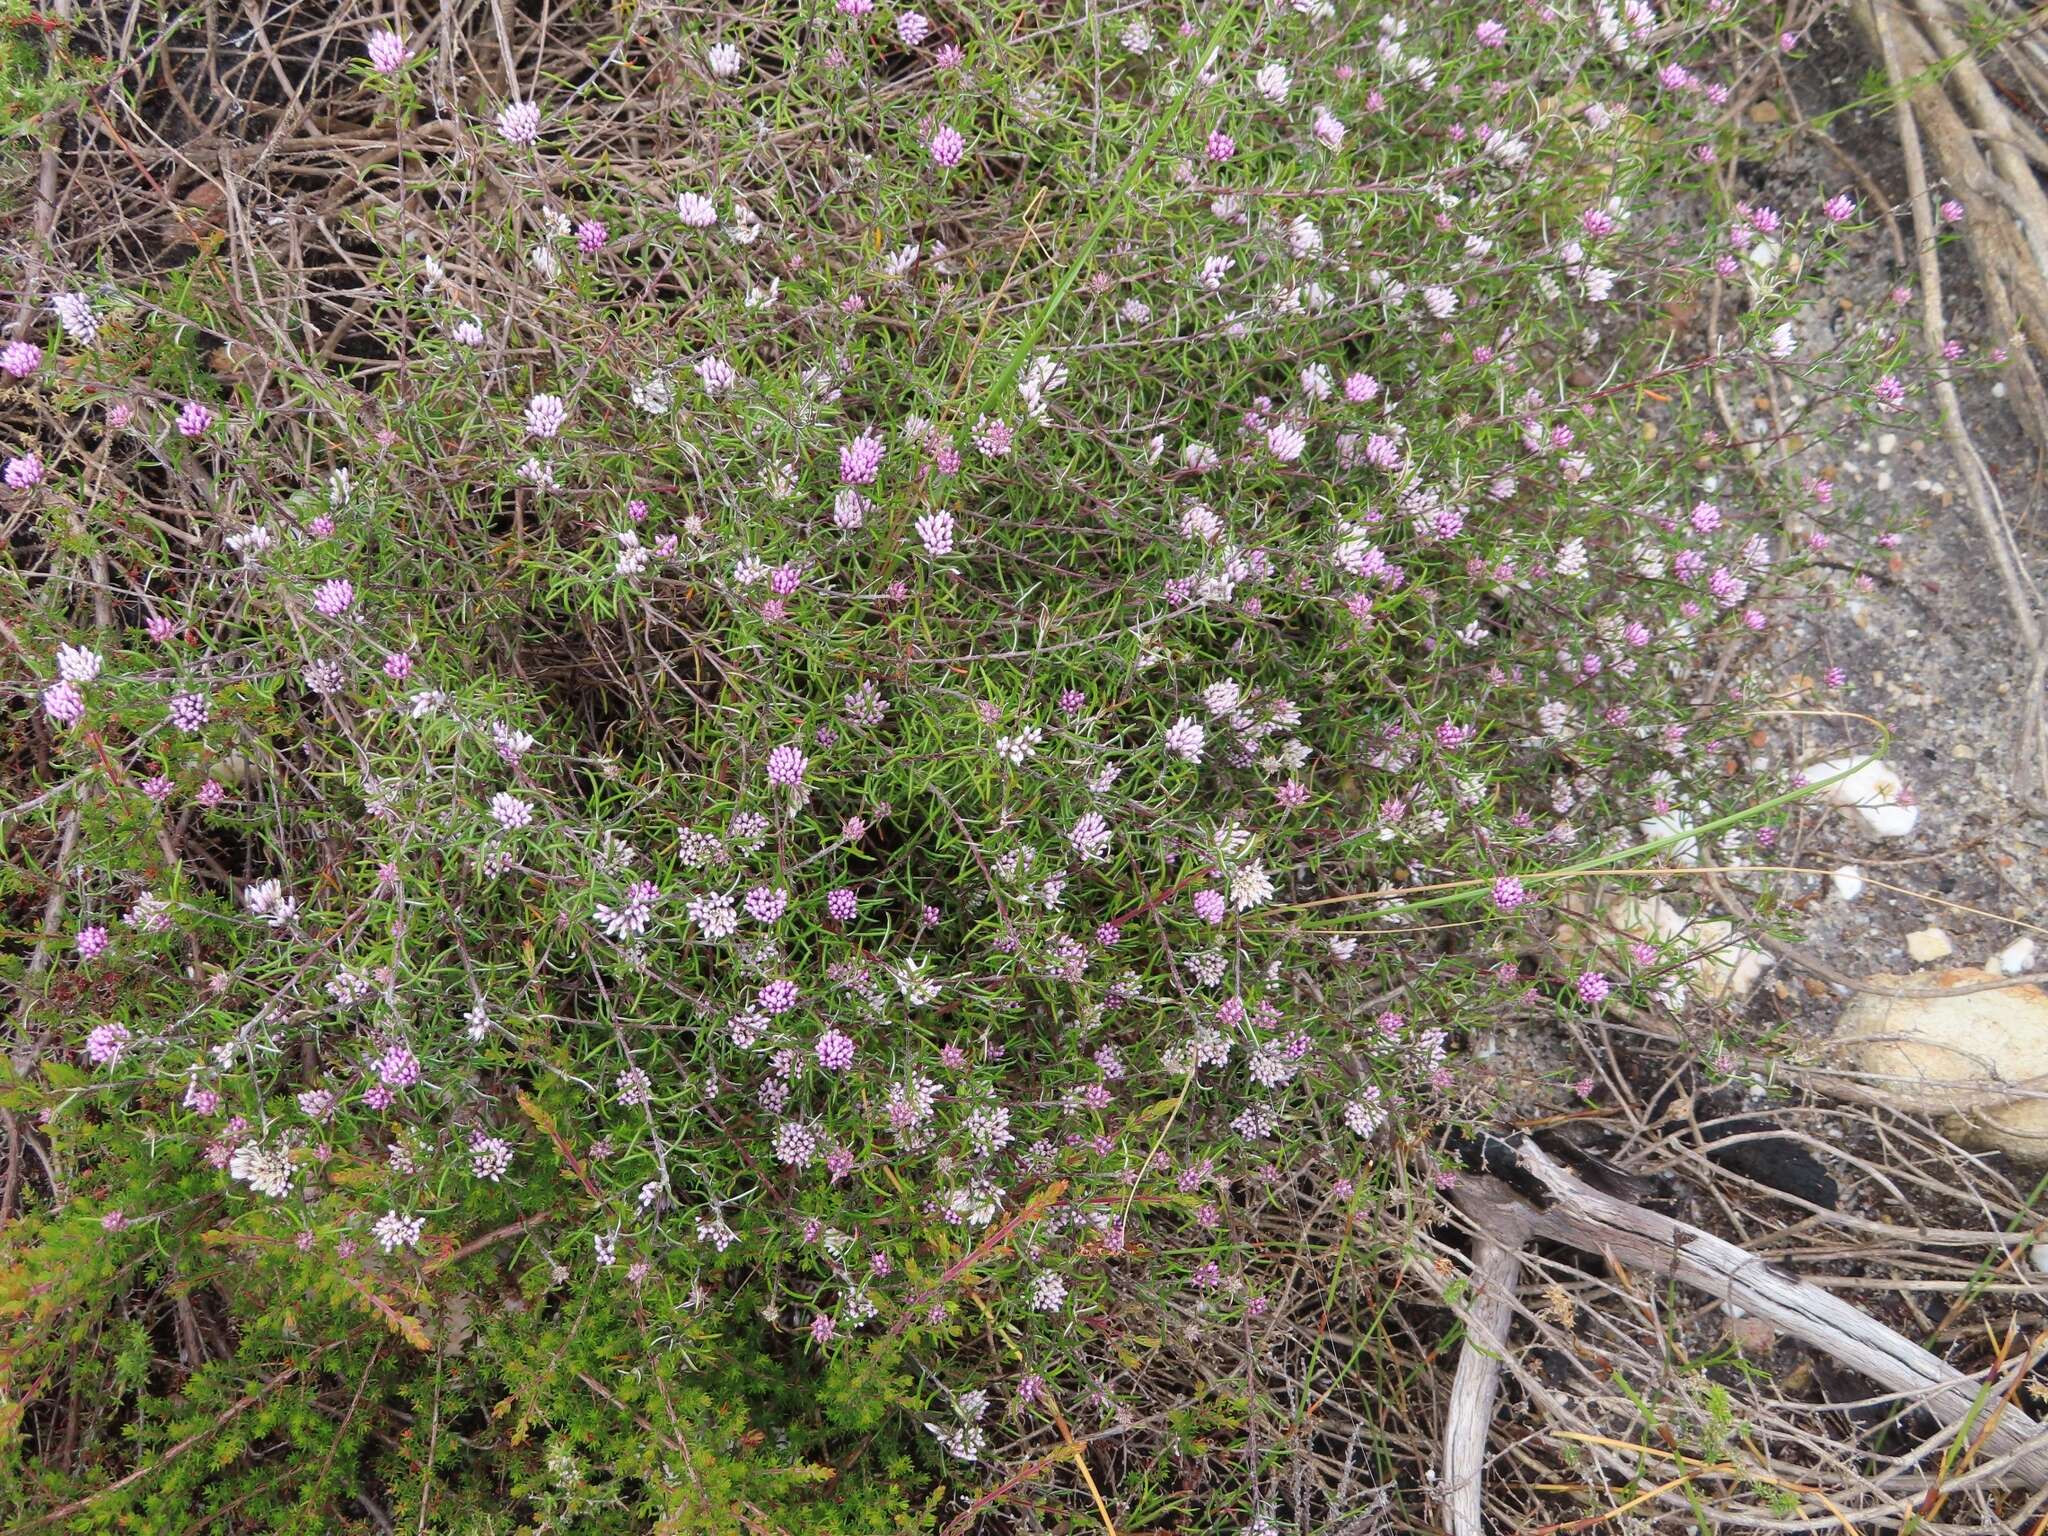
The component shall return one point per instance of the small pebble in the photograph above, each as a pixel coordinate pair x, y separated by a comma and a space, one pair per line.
1869, 788
1928, 944
1847, 882
2016, 959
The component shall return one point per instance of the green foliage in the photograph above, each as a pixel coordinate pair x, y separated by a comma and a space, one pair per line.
818, 871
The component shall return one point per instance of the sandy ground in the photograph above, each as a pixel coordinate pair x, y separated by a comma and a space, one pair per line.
1932, 652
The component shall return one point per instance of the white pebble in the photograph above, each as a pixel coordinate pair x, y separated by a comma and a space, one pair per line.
1847, 882
1872, 790
2016, 959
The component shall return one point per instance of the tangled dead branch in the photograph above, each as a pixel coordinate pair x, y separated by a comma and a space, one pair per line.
1980, 1424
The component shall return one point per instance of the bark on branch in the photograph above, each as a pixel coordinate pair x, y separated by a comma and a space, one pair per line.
1564, 1209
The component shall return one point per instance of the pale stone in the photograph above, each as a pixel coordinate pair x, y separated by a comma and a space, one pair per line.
1847, 882
1980, 1059
1927, 945
2016, 959
1719, 966
1752, 1335
1672, 824
1871, 788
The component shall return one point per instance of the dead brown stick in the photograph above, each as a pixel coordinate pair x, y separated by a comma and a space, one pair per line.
1577, 1214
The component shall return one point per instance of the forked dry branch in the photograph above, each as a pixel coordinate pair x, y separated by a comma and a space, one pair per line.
1983, 1436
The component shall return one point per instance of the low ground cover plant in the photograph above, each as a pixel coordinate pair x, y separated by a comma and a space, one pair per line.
794, 821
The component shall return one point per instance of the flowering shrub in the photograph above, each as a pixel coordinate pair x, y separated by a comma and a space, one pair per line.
833, 793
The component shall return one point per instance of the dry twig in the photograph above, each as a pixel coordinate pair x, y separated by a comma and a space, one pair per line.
1977, 1413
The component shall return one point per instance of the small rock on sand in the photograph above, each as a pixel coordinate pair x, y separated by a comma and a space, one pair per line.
2016, 959
1870, 789
1929, 944
1979, 1058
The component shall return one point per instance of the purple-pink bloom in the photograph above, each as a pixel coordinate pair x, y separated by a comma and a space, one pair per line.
107, 1044
786, 767
935, 531
861, 460
193, 419
19, 359
520, 122
835, 1051
387, 51
398, 1068
947, 146
189, 712
63, 703
545, 415
764, 903
994, 437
